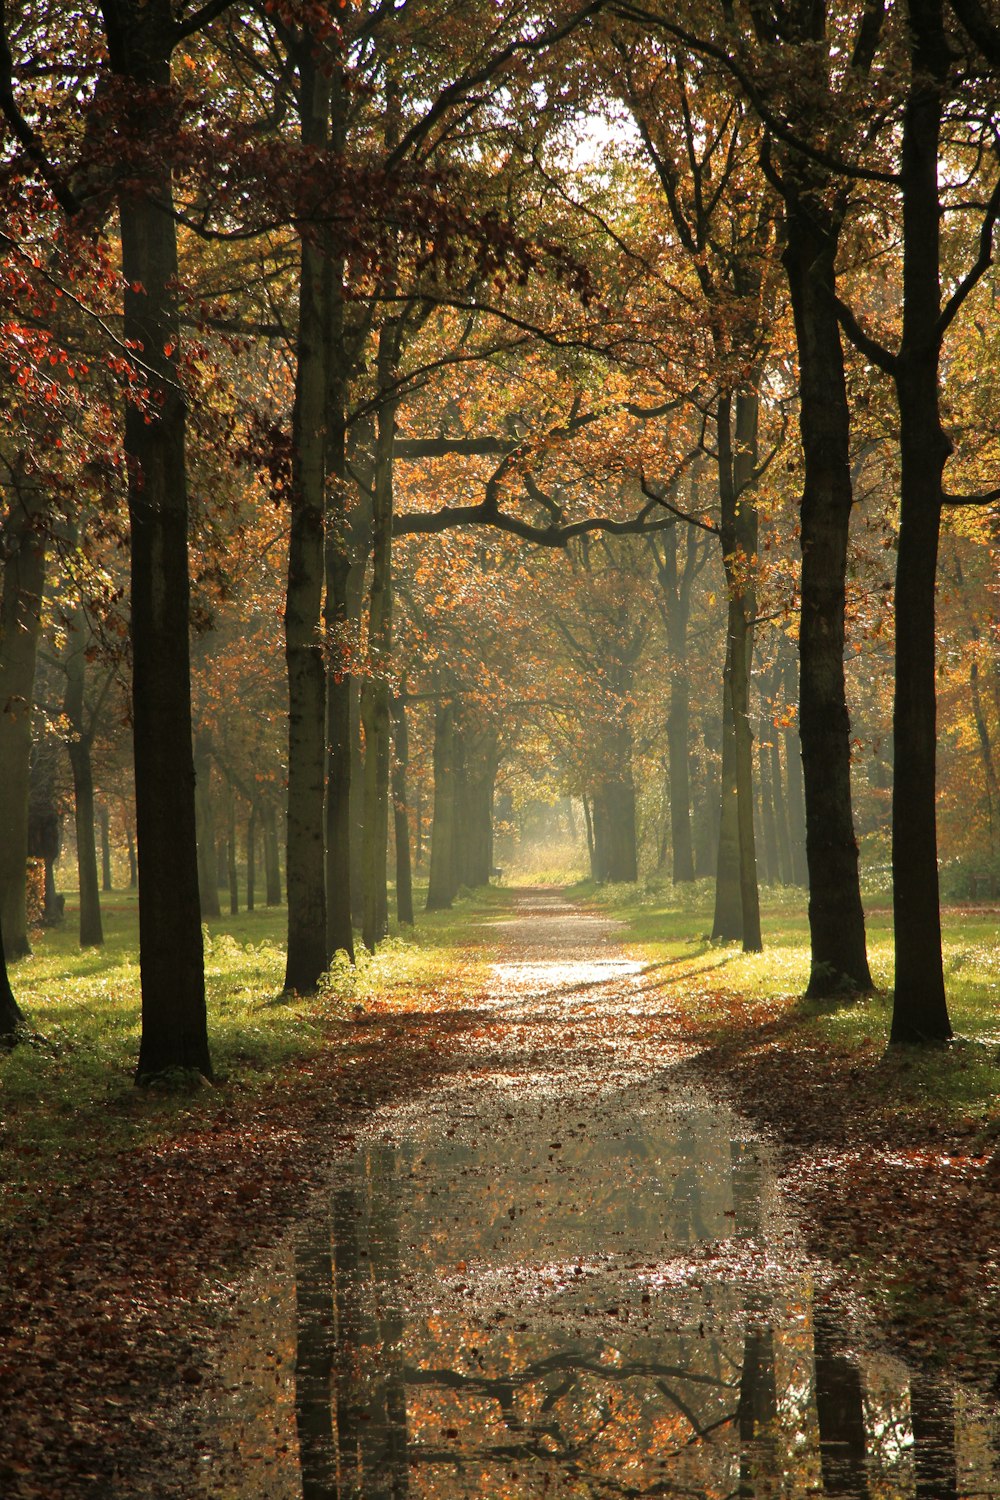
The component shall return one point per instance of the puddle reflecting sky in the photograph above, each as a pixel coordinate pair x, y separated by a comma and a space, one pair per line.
526, 1292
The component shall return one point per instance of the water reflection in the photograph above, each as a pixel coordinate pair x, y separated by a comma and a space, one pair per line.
459, 1333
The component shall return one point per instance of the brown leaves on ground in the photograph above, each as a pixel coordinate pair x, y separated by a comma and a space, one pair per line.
106, 1284
903, 1197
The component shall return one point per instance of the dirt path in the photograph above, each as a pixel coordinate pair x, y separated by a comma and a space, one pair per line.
564, 1270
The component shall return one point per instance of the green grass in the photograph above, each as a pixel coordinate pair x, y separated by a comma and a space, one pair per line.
671, 927
68, 1106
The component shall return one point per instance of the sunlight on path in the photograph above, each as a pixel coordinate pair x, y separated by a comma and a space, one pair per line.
563, 1272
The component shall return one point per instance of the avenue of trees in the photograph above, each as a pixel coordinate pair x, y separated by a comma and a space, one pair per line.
409, 409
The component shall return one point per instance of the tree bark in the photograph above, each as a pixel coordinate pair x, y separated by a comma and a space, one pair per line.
208, 882
171, 960
305, 873
20, 624
272, 864
342, 847
79, 748
920, 1012
12, 1021
375, 691
443, 882
231, 872
727, 923
738, 534
838, 951
251, 859
104, 815
401, 819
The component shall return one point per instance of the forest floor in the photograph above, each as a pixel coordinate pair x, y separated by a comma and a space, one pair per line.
890, 1158
123, 1236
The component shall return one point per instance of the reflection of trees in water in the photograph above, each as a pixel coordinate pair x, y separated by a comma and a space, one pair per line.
626, 1408
840, 1408
932, 1408
314, 1360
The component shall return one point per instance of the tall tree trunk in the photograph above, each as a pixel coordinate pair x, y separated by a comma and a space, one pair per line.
208, 883
305, 872
920, 1011
768, 818
341, 847
78, 745
794, 779
234, 889
251, 858
838, 951
443, 883
780, 810
20, 624
675, 584
727, 923
481, 766
133, 863
107, 884
171, 960
272, 864
401, 819
375, 692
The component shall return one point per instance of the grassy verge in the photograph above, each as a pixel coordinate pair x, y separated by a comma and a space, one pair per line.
893, 1157
68, 1107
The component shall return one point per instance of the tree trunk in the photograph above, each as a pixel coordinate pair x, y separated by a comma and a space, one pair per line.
91, 927
12, 1021
133, 863
375, 692
20, 623
920, 1012
234, 889
251, 858
738, 535
838, 957
401, 819
768, 818
272, 864
305, 871
208, 881
481, 762
620, 861
727, 924
105, 821
341, 843
171, 960
443, 883
796, 806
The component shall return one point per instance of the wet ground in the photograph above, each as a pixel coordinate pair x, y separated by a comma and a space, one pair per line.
565, 1272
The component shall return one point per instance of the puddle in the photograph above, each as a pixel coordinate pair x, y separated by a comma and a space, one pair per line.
564, 1282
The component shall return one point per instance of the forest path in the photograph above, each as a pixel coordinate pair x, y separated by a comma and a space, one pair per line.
562, 1271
